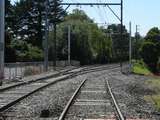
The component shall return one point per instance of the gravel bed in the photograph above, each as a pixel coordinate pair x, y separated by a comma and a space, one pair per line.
129, 91
47, 103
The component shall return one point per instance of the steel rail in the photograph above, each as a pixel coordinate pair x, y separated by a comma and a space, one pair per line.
58, 79
120, 115
65, 110
62, 116
63, 72
7, 106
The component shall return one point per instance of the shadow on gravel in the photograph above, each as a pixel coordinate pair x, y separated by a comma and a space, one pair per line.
45, 114
51, 112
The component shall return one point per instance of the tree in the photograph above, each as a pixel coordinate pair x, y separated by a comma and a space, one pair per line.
89, 44
26, 52
10, 55
57, 13
150, 49
153, 35
149, 54
25, 24
120, 47
29, 21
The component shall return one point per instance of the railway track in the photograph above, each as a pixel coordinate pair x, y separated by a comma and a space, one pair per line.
12, 95
93, 99
80, 70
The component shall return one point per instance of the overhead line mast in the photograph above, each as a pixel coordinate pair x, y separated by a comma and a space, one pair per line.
2, 14
77, 4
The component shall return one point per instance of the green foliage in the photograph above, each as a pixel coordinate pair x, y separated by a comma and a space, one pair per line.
154, 98
26, 52
57, 13
78, 15
139, 67
89, 43
25, 28
120, 47
149, 54
153, 35
150, 49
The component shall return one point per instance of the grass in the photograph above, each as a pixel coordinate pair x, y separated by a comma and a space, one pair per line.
155, 98
139, 67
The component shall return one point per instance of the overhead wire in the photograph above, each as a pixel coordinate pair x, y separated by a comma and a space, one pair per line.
105, 13
100, 13
113, 12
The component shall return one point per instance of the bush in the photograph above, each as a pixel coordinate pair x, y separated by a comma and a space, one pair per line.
149, 54
26, 52
139, 67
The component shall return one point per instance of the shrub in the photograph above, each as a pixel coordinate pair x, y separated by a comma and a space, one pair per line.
149, 54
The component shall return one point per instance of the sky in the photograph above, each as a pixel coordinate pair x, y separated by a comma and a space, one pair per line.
144, 13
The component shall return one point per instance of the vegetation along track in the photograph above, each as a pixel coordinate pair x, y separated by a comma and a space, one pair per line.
93, 99
14, 94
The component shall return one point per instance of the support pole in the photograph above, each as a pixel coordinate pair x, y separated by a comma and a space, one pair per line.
2, 20
46, 39
136, 52
121, 31
55, 45
69, 45
130, 47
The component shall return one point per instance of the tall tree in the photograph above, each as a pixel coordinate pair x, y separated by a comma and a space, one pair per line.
89, 44
57, 13
30, 21
150, 48
9, 32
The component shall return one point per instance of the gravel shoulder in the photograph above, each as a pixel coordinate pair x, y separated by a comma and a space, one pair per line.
130, 91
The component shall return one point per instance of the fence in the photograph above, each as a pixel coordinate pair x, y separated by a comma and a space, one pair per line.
21, 69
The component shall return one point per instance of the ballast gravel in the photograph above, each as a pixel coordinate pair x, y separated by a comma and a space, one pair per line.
50, 100
48, 104
129, 91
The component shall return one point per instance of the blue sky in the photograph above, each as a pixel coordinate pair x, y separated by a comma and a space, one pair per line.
141, 12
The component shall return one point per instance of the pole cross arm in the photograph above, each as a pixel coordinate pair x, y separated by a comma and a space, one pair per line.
91, 4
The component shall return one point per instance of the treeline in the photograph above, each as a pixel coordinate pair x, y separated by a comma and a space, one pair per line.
90, 43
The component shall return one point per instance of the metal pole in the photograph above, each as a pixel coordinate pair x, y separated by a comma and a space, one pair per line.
55, 45
136, 42
46, 39
2, 20
121, 31
130, 47
69, 45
